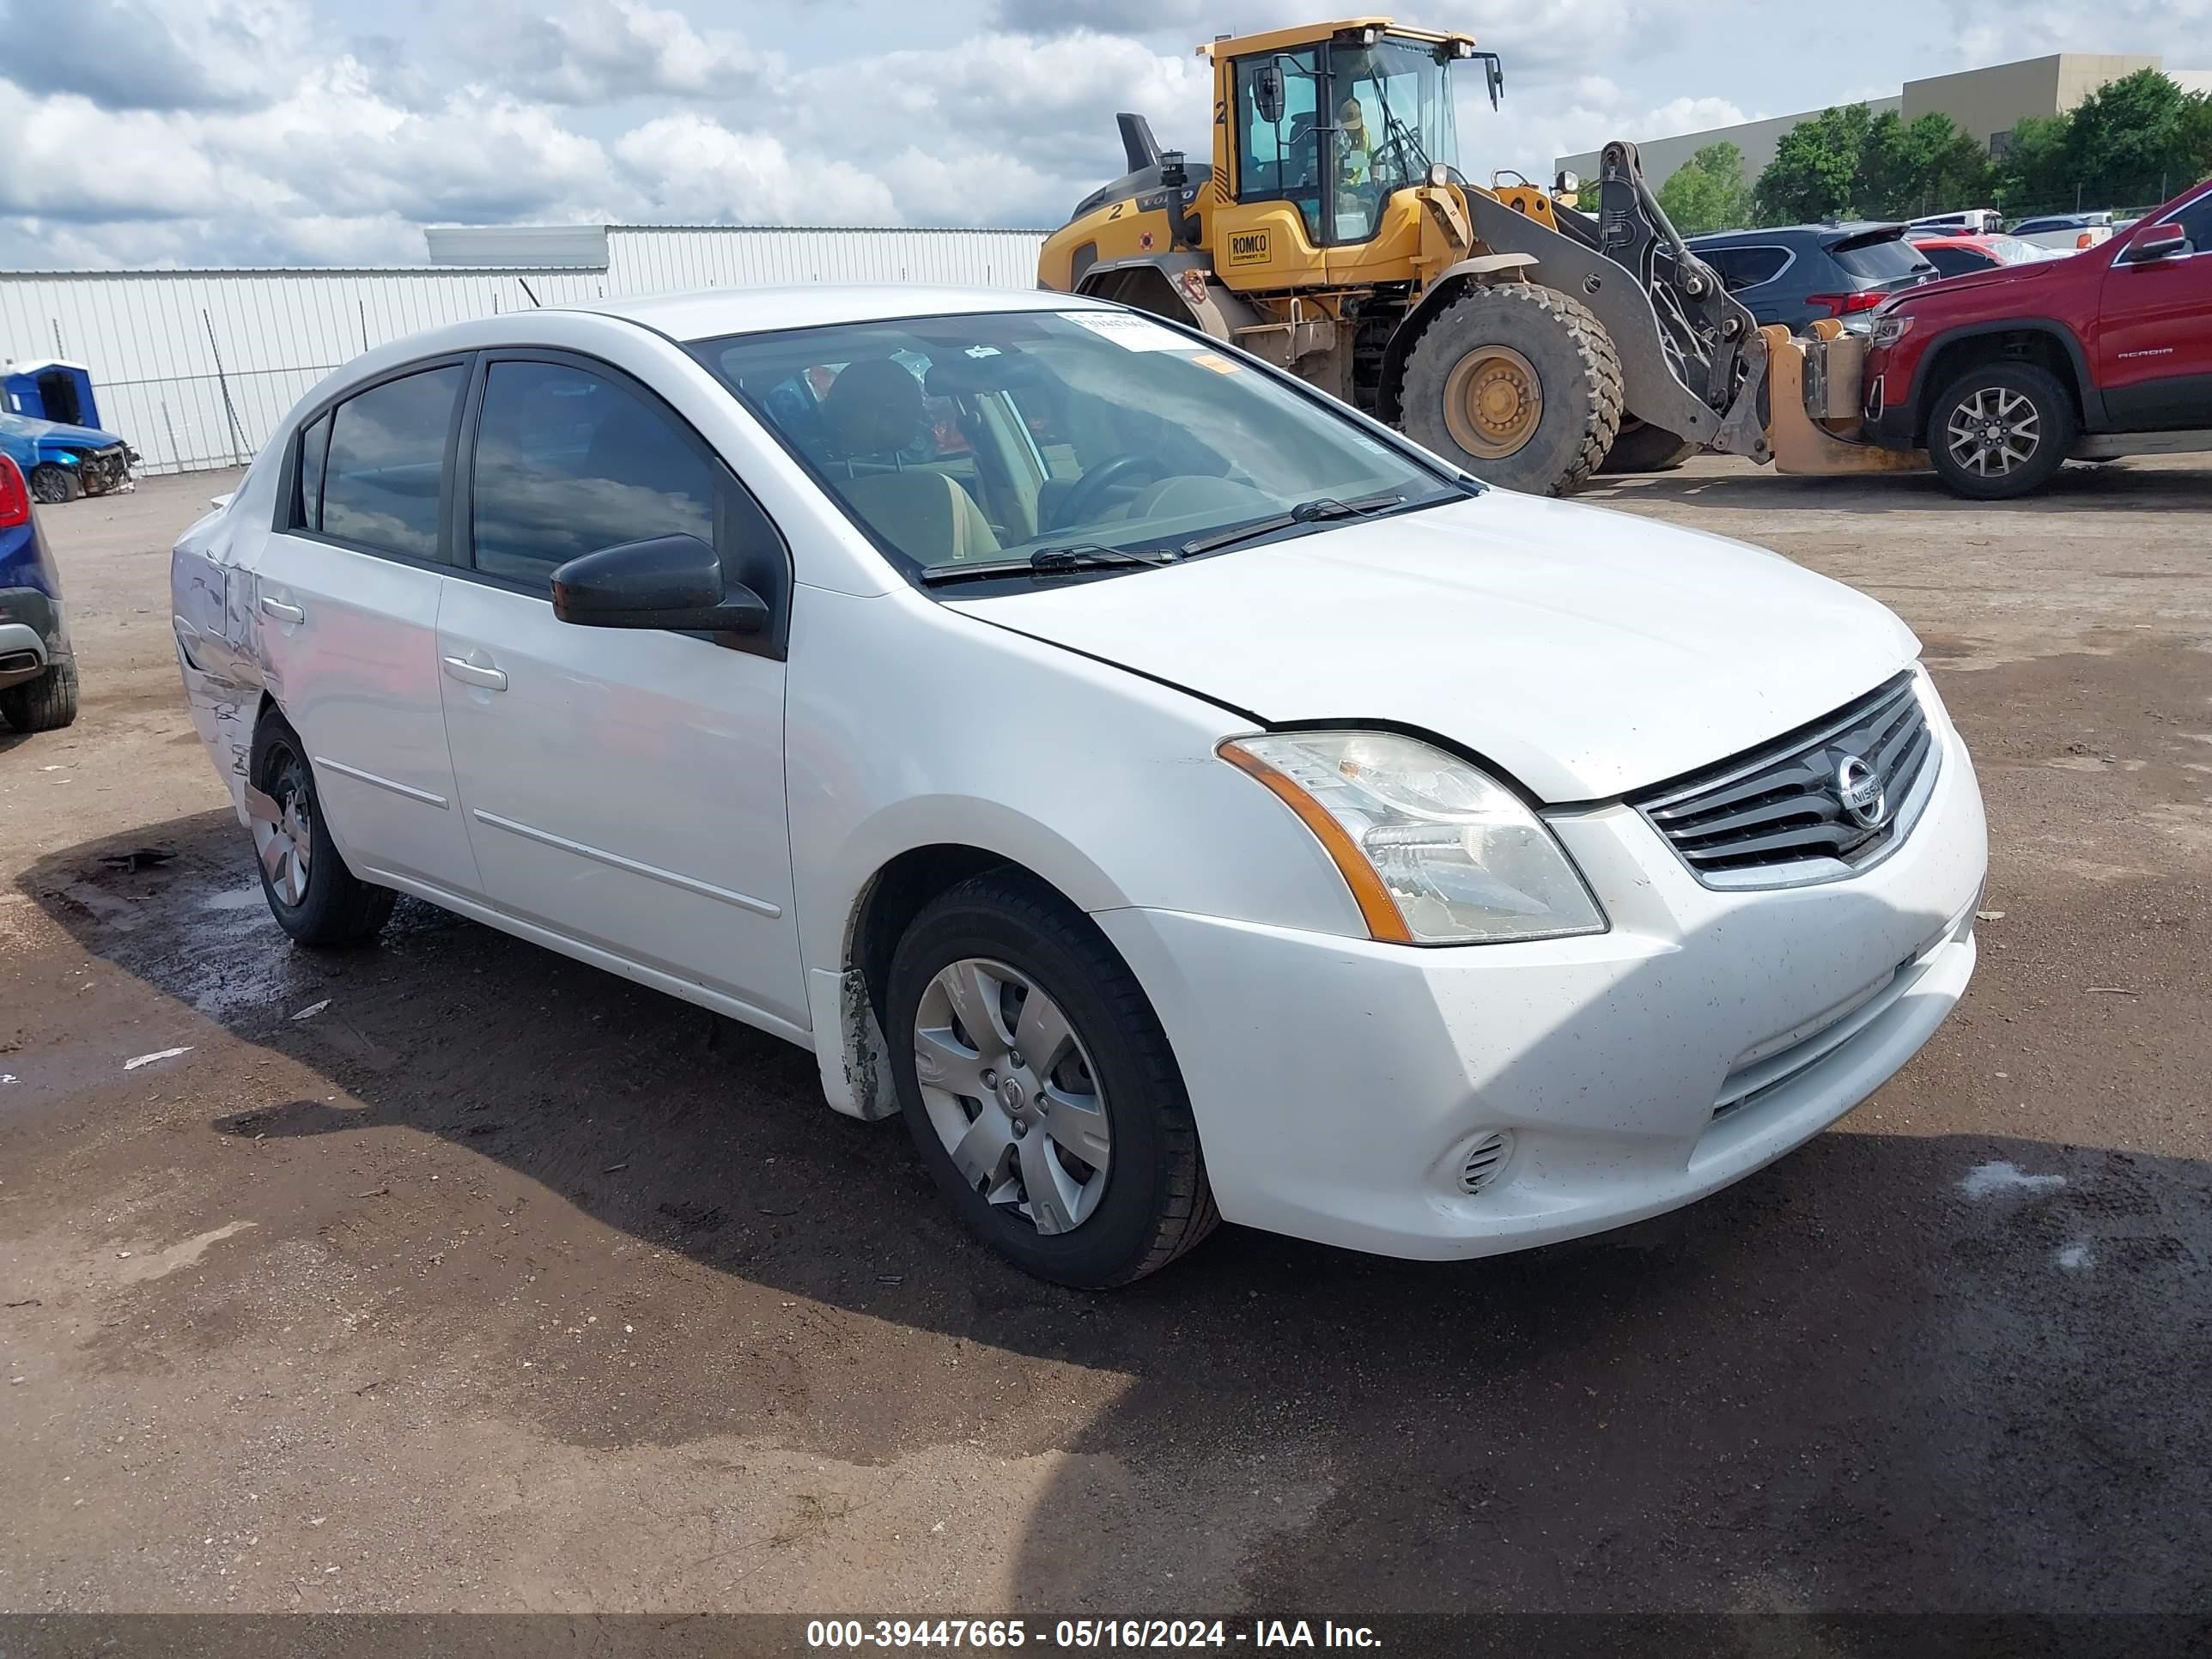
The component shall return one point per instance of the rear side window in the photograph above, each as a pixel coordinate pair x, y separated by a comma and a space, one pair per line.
1882, 260
569, 461
1746, 267
386, 457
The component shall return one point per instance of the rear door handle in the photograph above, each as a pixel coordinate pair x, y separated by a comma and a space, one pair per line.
470, 673
282, 611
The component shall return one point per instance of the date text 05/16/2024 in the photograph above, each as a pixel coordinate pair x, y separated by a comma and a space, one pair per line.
975, 1635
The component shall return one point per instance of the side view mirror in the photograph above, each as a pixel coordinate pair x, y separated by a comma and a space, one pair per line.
669, 581
1267, 93
2164, 243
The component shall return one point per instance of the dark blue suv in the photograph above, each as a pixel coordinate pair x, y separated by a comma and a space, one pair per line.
37, 672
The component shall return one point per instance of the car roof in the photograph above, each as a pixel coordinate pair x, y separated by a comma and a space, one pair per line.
708, 313
1979, 240
1841, 231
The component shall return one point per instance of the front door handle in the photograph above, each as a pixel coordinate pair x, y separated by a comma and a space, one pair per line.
282, 611
474, 673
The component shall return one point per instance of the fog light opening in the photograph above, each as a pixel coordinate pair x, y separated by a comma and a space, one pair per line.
1485, 1161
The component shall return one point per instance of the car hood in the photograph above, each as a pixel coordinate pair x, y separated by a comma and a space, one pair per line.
2031, 271
1584, 653
29, 429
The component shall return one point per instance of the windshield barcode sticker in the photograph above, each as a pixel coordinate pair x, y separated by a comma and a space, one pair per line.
1136, 333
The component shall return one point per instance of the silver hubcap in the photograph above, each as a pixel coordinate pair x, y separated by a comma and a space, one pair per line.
1994, 431
287, 844
1012, 1094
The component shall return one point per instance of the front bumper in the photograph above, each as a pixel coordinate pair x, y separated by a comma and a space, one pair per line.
1340, 1086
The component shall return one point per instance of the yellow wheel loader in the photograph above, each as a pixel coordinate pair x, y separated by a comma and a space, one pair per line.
1503, 327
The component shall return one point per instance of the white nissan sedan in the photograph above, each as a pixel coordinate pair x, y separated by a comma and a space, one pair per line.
1174, 794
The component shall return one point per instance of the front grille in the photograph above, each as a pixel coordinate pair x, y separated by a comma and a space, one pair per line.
1779, 817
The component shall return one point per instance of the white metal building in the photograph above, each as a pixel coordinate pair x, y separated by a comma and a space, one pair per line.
196, 368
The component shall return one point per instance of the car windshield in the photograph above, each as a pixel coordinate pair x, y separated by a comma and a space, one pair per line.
995, 437
1880, 259
2014, 252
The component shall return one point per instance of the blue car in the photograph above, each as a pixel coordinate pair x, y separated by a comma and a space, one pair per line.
60, 462
37, 670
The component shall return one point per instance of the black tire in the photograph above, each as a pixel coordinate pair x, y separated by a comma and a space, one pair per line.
1643, 448
1576, 413
50, 485
337, 908
44, 704
1985, 387
1155, 1203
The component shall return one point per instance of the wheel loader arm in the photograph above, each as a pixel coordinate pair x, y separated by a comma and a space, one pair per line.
1692, 359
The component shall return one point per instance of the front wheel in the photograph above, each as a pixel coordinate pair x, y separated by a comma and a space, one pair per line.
2000, 430
50, 485
1039, 1088
1517, 384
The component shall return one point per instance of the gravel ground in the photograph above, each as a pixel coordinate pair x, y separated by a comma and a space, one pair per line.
451, 1274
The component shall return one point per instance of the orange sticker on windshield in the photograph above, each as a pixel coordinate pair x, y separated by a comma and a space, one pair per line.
1218, 363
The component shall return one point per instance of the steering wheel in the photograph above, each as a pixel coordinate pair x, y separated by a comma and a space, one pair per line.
1087, 499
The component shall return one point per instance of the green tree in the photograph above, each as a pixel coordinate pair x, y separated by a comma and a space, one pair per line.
1815, 169
2120, 140
1930, 167
2032, 175
2190, 160
1707, 192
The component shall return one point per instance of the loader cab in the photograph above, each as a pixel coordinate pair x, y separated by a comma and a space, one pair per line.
1316, 135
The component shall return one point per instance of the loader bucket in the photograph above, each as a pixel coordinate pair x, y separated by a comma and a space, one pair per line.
1813, 422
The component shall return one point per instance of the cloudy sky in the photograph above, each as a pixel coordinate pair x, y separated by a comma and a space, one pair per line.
166, 132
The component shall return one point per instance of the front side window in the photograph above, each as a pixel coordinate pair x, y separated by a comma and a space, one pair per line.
2196, 223
386, 460
568, 461
1280, 160
995, 436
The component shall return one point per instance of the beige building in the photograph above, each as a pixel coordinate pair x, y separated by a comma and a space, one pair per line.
1984, 102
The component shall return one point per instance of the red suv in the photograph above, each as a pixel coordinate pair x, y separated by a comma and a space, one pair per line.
2001, 375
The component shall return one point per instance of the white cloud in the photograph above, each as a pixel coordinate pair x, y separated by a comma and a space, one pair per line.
220, 131
692, 168
152, 54
599, 51
2179, 31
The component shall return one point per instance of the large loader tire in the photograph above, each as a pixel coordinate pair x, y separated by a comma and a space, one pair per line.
1519, 385
1643, 448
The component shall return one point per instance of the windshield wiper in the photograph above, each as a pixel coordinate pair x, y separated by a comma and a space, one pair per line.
1313, 512
1048, 561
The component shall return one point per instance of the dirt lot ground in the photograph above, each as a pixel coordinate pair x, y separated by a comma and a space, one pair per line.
500, 1284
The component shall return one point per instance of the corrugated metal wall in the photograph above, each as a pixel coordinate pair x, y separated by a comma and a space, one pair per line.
195, 368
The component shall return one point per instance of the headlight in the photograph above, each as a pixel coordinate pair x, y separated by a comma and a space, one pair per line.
1888, 330
1435, 853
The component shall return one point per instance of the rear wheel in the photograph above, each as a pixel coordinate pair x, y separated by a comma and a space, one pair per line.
1517, 384
2000, 430
1039, 1087
1643, 448
313, 896
44, 704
